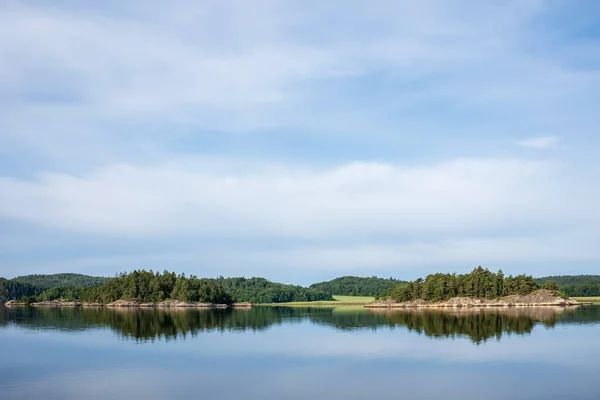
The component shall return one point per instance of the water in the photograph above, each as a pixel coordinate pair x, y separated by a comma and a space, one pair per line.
295, 353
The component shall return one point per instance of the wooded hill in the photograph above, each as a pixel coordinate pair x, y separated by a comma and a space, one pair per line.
34, 285
260, 290
576, 285
46, 282
481, 283
357, 286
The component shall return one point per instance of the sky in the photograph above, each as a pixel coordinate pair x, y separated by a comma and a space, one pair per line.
299, 141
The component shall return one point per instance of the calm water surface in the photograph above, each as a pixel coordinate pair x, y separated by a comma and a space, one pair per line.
295, 353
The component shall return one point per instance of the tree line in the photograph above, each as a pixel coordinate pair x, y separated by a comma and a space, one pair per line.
576, 285
582, 290
261, 290
357, 286
481, 283
156, 287
149, 286
10, 290
143, 286
35, 285
65, 280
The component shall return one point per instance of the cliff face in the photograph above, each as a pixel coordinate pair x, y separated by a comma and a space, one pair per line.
535, 299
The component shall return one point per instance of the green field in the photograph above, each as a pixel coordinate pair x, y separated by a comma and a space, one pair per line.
339, 301
588, 299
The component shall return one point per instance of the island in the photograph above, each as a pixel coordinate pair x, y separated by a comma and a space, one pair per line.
538, 298
479, 288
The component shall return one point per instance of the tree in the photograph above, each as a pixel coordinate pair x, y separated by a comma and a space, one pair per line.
550, 285
478, 283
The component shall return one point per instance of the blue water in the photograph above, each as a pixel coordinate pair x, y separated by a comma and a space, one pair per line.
297, 354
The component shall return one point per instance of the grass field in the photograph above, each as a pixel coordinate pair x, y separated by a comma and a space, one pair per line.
588, 299
339, 301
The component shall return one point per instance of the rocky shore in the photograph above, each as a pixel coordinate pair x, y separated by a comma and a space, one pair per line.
130, 304
539, 298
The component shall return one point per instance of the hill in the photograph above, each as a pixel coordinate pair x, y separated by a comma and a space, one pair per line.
66, 280
357, 286
569, 279
261, 290
35, 285
575, 285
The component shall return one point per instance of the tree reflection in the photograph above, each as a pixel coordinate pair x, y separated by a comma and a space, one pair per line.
479, 325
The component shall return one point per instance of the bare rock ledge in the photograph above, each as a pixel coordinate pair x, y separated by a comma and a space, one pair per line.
539, 298
130, 304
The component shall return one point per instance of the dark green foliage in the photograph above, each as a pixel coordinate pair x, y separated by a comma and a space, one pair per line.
575, 285
562, 280
46, 282
147, 286
30, 286
260, 290
550, 285
143, 286
479, 283
357, 286
582, 290
10, 290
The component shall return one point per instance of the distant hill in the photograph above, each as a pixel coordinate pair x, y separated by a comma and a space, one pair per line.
66, 280
357, 286
575, 285
261, 290
569, 279
34, 285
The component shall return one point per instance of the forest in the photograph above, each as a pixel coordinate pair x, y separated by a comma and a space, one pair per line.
148, 286
143, 286
34, 285
260, 290
480, 283
576, 285
154, 287
15, 290
45, 282
357, 286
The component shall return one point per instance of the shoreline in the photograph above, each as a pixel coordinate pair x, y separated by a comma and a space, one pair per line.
539, 298
473, 306
129, 304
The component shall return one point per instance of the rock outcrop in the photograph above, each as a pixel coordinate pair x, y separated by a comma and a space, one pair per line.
129, 304
14, 303
539, 298
242, 305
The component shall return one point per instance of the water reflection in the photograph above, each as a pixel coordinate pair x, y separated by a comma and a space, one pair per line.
155, 324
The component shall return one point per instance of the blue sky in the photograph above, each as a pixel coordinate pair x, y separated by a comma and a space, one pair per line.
299, 141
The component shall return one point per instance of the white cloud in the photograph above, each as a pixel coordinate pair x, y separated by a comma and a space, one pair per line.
129, 200
540, 142
461, 211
